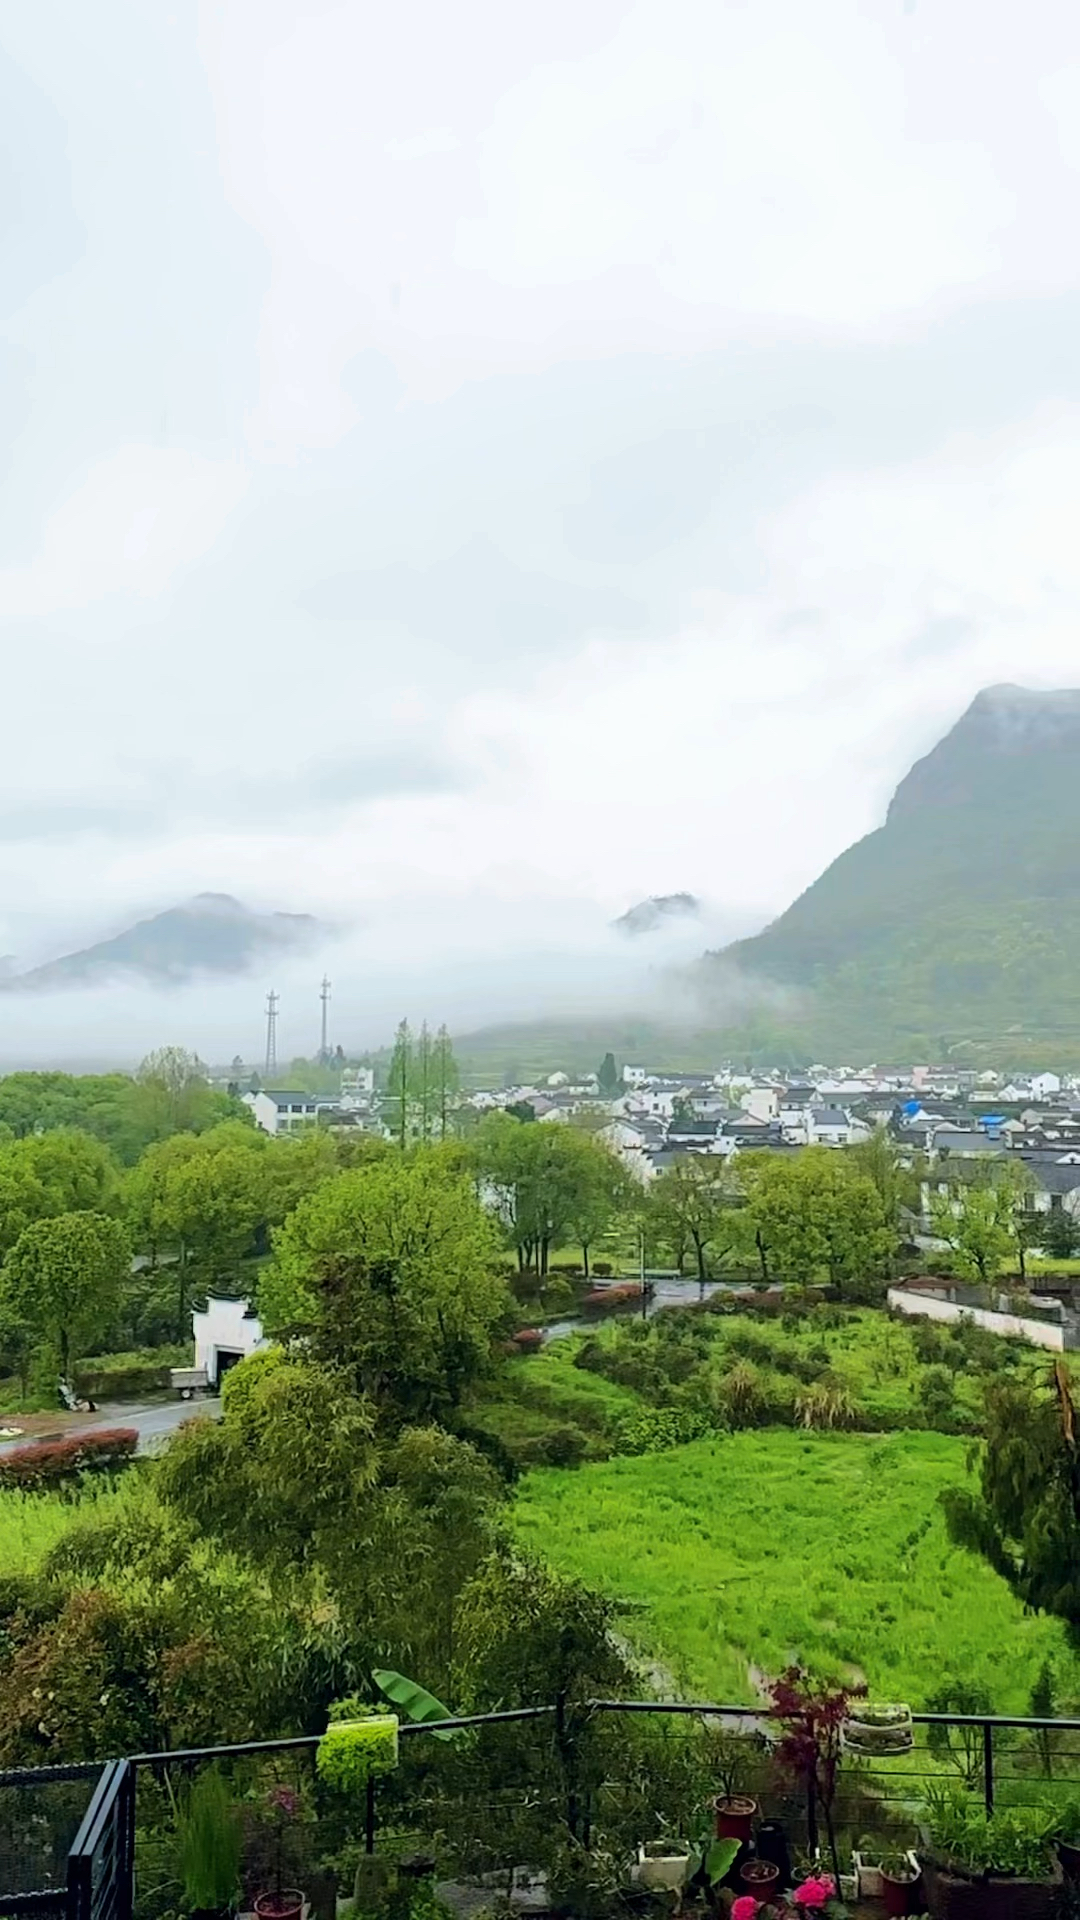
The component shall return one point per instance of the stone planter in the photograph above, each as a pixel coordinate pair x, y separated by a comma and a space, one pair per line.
952, 1896
878, 1730
661, 1866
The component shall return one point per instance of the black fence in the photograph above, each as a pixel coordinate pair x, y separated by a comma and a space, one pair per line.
580, 1782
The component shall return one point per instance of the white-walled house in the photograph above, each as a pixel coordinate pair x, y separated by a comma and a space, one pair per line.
1044, 1086
226, 1332
282, 1110
761, 1103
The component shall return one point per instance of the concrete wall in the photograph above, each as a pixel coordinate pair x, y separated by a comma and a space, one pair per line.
1040, 1332
224, 1327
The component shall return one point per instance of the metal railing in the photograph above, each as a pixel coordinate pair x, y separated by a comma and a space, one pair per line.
551, 1771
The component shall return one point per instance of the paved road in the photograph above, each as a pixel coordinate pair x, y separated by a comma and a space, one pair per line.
152, 1421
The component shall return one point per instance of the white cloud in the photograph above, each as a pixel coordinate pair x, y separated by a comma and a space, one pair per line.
136, 521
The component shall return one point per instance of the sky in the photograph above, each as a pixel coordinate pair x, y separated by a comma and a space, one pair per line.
464, 469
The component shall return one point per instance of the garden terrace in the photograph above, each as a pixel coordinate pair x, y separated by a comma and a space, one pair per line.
567, 1790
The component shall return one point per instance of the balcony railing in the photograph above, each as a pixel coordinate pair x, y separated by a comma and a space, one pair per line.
93, 1842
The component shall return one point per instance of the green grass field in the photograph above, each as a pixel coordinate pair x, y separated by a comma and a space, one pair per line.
32, 1523
738, 1555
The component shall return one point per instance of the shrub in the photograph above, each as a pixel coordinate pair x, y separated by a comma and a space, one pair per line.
53, 1463
602, 1269
660, 1428
357, 1746
100, 1380
561, 1447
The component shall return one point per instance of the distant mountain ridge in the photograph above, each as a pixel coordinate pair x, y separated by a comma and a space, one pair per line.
656, 911
953, 927
212, 935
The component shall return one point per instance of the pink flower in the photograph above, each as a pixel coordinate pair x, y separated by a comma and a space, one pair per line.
744, 1908
814, 1893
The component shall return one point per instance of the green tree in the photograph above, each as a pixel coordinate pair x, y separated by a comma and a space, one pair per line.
982, 1216
205, 1196
299, 1475
65, 1277
400, 1085
542, 1179
447, 1081
392, 1266
609, 1079
1025, 1518
1059, 1233
814, 1214
63, 1171
696, 1204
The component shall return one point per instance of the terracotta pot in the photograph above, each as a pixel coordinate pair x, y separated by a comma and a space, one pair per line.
734, 1816
286, 1905
760, 1877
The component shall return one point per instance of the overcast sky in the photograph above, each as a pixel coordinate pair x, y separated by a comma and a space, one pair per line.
493, 462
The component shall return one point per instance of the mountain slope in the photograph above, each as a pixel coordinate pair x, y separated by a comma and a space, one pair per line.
210, 935
956, 925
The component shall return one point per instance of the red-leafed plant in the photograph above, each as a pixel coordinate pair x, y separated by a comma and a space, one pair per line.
49, 1463
812, 1715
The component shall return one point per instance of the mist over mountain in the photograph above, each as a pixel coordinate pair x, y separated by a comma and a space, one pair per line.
956, 924
212, 935
656, 911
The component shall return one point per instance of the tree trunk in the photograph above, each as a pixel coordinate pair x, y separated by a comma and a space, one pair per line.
699, 1255
585, 1260
64, 1352
763, 1256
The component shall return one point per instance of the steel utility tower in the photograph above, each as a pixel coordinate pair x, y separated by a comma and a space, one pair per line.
324, 996
271, 1032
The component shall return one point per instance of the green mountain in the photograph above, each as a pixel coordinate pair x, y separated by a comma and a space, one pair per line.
954, 929
210, 935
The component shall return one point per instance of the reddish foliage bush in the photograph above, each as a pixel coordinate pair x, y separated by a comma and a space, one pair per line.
48, 1463
528, 1339
618, 1296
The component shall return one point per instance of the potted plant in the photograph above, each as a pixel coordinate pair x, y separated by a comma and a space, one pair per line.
999, 1866
760, 1877
209, 1835
877, 1729
734, 1812
281, 1902
812, 1715
899, 1874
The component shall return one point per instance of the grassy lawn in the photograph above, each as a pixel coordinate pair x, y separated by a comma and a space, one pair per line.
746, 1552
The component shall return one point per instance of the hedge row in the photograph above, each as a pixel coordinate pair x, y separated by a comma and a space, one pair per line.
50, 1463
119, 1383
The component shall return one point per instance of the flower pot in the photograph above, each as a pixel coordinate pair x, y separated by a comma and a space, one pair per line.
661, 1866
953, 1896
734, 1815
759, 1877
1069, 1855
286, 1905
896, 1892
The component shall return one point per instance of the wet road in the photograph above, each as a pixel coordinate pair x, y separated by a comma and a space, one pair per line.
153, 1421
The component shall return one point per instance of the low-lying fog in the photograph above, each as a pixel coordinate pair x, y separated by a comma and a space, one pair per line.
469, 964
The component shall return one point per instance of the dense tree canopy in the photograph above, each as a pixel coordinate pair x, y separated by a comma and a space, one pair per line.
549, 1184
65, 1275
815, 1215
393, 1266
